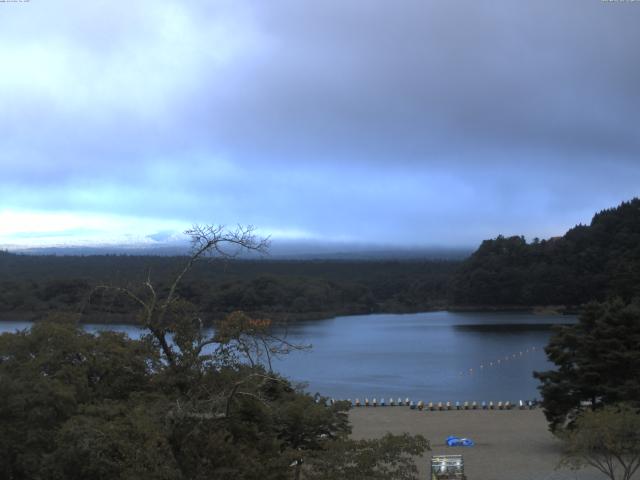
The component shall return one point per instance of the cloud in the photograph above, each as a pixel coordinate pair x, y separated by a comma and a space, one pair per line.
423, 121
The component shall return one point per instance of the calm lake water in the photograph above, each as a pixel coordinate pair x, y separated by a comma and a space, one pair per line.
434, 356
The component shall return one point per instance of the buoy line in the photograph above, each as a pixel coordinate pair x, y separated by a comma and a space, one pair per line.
494, 363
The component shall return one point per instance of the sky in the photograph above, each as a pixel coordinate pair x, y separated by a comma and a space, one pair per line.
401, 123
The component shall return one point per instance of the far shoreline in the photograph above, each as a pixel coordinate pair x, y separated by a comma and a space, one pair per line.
284, 318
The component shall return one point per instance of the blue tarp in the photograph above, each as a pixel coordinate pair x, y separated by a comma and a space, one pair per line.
453, 441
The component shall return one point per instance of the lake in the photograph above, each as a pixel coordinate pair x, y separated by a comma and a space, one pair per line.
433, 356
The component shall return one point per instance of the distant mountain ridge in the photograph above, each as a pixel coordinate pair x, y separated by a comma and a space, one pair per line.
590, 262
278, 251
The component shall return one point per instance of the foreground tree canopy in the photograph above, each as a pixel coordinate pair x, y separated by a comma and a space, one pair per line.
176, 403
598, 362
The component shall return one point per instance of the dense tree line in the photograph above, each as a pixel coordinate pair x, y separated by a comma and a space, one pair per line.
593, 262
35, 285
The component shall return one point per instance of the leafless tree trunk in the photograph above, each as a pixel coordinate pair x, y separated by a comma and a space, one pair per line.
206, 241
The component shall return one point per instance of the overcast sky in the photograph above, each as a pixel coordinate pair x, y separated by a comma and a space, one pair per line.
389, 122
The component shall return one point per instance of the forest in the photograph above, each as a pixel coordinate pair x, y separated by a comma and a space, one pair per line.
590, 262
32, 286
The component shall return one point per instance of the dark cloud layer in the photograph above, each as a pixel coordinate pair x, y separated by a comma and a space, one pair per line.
413, 122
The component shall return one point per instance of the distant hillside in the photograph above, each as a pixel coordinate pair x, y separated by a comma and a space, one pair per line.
588, 263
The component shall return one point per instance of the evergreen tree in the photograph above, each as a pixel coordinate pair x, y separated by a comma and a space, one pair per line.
588, 263
597, 359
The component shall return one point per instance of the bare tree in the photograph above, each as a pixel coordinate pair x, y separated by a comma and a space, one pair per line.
157, 310
177, 329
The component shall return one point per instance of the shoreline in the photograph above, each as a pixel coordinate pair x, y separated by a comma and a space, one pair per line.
281, 318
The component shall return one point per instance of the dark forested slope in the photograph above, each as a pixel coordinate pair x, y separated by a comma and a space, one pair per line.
588, 263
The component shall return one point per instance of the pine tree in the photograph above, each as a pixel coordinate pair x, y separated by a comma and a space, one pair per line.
598, 361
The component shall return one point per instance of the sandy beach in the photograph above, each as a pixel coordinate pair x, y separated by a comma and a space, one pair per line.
509, 445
